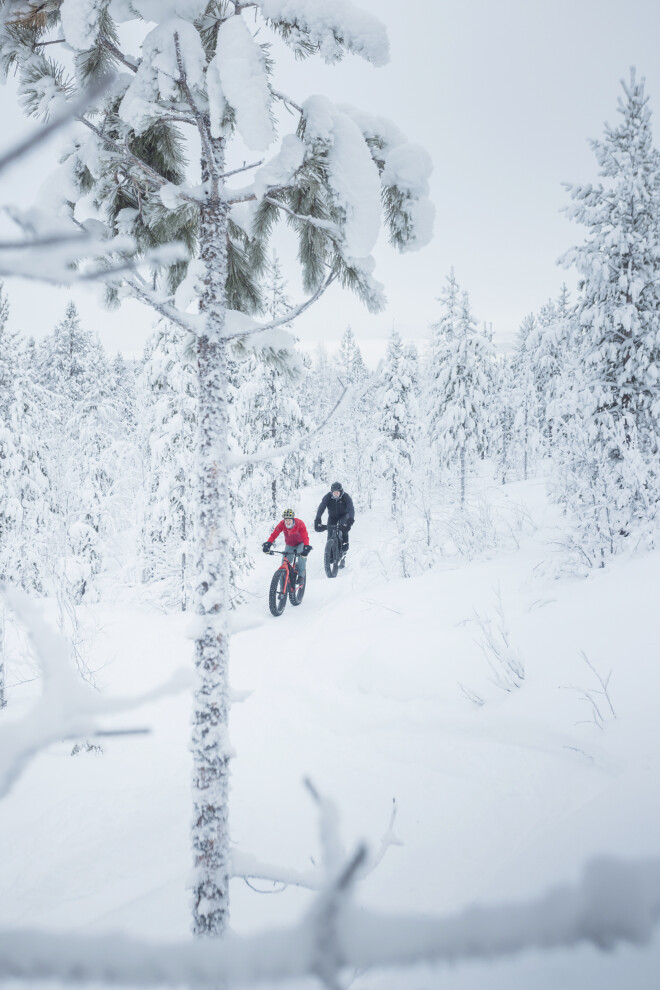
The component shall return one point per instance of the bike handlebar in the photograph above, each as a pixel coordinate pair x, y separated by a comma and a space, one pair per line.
283, 552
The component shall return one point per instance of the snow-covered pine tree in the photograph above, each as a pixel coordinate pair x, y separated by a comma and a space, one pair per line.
618, 312
75, 374
398, 421
525, 397
321, 391
550, 345
350, 364
168, 381
284, 417
351, 438
197, 63
124, 462
442, 332
460, 391
24, 482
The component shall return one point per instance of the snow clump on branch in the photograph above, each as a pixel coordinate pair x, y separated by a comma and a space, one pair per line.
352, 175
80, 22
330, 28
158, 73
239, 64
405, 169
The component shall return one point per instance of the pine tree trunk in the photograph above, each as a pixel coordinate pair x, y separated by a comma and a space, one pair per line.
211, 755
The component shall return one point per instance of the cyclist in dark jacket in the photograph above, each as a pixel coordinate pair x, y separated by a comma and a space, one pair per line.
340, 511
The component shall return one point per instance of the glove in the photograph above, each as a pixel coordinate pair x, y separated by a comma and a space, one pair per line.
318, 526
305, 550
348, 524
266, 546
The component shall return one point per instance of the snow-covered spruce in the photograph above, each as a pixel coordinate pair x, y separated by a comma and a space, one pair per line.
462, 363
615, 417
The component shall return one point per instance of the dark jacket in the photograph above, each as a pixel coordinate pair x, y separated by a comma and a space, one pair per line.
337, 507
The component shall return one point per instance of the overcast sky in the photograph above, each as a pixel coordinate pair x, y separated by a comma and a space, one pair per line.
504, 94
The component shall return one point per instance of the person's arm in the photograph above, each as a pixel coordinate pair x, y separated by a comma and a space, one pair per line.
350, 508
276, 532
321, 509
305, 534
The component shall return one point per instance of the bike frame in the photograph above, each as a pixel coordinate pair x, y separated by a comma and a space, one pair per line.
288, 566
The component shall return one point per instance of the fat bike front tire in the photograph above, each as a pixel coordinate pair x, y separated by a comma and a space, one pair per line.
277, 595
297, 591
331, 558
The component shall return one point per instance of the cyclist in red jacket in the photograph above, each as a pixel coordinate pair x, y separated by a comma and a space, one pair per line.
296, 539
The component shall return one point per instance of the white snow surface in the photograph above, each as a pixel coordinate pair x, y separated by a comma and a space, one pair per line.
359, 689
324, 23
239, 66
80, 20
352, 173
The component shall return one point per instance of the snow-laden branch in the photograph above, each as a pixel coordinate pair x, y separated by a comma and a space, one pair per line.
614, 902
247, 867
124, 152
288, 317
286, 100
325, 225
204, 134
67, 706
195, 323
272, 453
139, 289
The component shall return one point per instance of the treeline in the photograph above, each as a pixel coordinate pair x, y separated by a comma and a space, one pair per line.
97, 455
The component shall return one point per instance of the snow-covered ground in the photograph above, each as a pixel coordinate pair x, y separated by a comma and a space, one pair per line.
378, 691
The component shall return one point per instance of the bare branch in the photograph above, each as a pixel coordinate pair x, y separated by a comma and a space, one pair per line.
243, 168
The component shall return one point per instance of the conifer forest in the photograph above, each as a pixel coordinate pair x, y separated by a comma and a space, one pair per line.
449, 754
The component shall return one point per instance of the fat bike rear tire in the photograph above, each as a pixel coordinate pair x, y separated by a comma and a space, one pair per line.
296, 592
331, 558
277, 595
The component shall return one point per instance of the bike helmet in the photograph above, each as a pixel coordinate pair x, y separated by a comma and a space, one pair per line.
288, 514
336, 487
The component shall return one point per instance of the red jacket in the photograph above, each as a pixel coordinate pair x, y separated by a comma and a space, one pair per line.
292, 537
